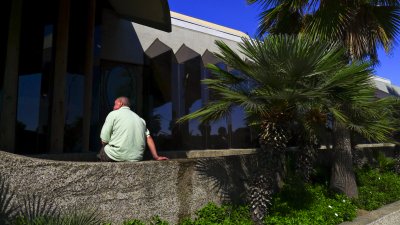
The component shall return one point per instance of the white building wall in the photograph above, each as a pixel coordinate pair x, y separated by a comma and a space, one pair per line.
198, 37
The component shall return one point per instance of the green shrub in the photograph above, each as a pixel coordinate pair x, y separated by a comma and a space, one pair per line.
307, 204
226, 215
155, 220
385, 164
133, 222
377, 188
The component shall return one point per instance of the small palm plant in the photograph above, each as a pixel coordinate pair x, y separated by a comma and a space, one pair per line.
290, 86
7, 209
36, 210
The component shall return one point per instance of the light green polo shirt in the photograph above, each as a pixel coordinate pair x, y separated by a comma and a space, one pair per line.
126, 133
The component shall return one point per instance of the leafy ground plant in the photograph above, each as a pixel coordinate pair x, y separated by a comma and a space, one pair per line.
225, 214
310, 205
36, 210
155, 220
377, 188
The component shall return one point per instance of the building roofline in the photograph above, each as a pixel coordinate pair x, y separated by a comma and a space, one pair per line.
209, 25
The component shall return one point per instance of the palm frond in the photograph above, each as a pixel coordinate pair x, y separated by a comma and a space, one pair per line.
376, 120
36, 209
82, 217
211, 112
7, 208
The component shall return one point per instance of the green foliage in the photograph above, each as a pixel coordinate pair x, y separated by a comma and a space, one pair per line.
133, 222
36, 210
298, 204
75, 217
81, 217
155, 220
39, 220
342, 21
377, 188
289, 79
385, 164
227, 215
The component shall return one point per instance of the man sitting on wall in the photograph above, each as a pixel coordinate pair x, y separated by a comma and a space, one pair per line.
124, 135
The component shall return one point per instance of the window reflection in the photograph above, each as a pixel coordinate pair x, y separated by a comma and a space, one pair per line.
171, 90
74, 112
191, 76
120, 81
219, 134
242, 135
35, 71
28, 104
158, 100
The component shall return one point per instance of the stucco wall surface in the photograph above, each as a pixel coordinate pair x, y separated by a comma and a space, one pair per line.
171, 189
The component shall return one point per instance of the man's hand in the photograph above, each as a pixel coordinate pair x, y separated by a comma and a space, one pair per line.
153, 150
160, 158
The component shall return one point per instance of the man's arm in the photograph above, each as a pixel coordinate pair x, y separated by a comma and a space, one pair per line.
106, 130
153, 150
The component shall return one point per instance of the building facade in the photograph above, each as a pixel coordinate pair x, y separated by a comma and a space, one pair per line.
66, 61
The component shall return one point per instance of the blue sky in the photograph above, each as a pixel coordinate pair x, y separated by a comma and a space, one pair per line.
238, 15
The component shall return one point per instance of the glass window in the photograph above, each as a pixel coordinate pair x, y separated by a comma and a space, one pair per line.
190, 77
4, 24
73, 112
28, 111
119, 80
158, 100
35, 65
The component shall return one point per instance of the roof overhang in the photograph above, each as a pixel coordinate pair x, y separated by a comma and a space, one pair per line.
152, 13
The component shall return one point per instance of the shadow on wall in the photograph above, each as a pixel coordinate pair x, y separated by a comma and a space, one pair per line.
229, 176
36, 209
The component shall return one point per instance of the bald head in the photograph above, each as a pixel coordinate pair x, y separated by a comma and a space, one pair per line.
121, 101
125, 101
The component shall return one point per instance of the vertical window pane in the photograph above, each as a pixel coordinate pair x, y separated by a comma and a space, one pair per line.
242, 135
4, 24
35, 65
192, 135
73, 112
28, 112
219, 134
158, 100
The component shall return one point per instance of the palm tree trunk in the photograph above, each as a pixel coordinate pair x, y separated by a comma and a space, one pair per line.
342, 174
270, 175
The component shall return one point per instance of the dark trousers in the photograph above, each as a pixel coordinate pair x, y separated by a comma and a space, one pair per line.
103, 157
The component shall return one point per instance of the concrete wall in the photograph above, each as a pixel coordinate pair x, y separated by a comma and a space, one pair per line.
171, 189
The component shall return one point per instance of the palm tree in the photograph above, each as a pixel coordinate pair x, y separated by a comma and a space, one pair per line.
290, 83
361, 26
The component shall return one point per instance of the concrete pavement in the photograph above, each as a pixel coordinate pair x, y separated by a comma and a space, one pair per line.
387, 215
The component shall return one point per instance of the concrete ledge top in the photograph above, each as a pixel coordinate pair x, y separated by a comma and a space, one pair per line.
90, 157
